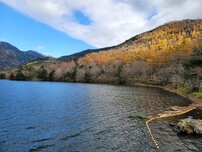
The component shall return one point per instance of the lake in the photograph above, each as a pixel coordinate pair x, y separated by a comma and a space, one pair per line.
65, 117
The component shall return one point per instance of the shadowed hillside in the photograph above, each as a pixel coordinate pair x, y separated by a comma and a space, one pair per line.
11, 57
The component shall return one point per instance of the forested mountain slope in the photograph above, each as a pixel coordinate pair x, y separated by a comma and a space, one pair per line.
172, 35
11, 57
156, 56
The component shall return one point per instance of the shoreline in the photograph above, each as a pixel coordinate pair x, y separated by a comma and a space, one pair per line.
186, 96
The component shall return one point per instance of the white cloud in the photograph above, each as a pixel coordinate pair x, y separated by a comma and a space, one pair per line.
40, 48
112, 21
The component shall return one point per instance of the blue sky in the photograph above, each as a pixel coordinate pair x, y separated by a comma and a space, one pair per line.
29, 34
63, 27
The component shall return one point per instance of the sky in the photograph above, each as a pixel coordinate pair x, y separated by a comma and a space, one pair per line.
63, 27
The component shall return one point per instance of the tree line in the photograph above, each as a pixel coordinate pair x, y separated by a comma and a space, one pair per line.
185, 73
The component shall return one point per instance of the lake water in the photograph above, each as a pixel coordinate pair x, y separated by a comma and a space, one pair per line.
65, 117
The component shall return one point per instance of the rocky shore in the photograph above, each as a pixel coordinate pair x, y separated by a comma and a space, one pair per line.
190, 126
184, 120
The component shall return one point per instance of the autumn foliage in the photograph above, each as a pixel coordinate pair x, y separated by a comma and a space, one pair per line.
155, 56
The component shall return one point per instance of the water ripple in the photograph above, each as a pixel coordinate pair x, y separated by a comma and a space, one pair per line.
36, 116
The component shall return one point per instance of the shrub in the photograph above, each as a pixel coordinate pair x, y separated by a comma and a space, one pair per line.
42, 74
12, 76
2, 76
20, 76
51, 75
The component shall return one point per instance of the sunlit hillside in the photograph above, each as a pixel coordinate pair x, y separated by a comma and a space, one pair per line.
155, 56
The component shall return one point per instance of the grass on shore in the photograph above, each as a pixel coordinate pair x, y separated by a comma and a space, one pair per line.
197, 95
185, 91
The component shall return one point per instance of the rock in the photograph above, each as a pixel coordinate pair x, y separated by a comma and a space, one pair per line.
176, 129
192, 147
190, 126
172, 124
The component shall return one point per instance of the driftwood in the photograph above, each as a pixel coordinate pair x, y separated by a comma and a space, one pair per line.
175, 111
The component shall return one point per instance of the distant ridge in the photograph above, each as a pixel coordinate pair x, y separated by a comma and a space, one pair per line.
12, 57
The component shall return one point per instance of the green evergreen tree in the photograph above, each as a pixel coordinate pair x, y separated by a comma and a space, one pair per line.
20, 76
2, 76
42, 74
194, 68
51, 75
12, 76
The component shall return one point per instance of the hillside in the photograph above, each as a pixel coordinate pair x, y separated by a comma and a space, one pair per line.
75, 56
11, 57
166, 37
156, 56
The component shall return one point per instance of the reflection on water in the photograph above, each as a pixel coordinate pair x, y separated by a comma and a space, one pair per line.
43, 116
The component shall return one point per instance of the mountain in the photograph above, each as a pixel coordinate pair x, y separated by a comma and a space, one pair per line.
156, 56
168, 36
11, 57
82, 54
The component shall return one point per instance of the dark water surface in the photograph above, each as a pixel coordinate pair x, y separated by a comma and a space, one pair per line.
49, 116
